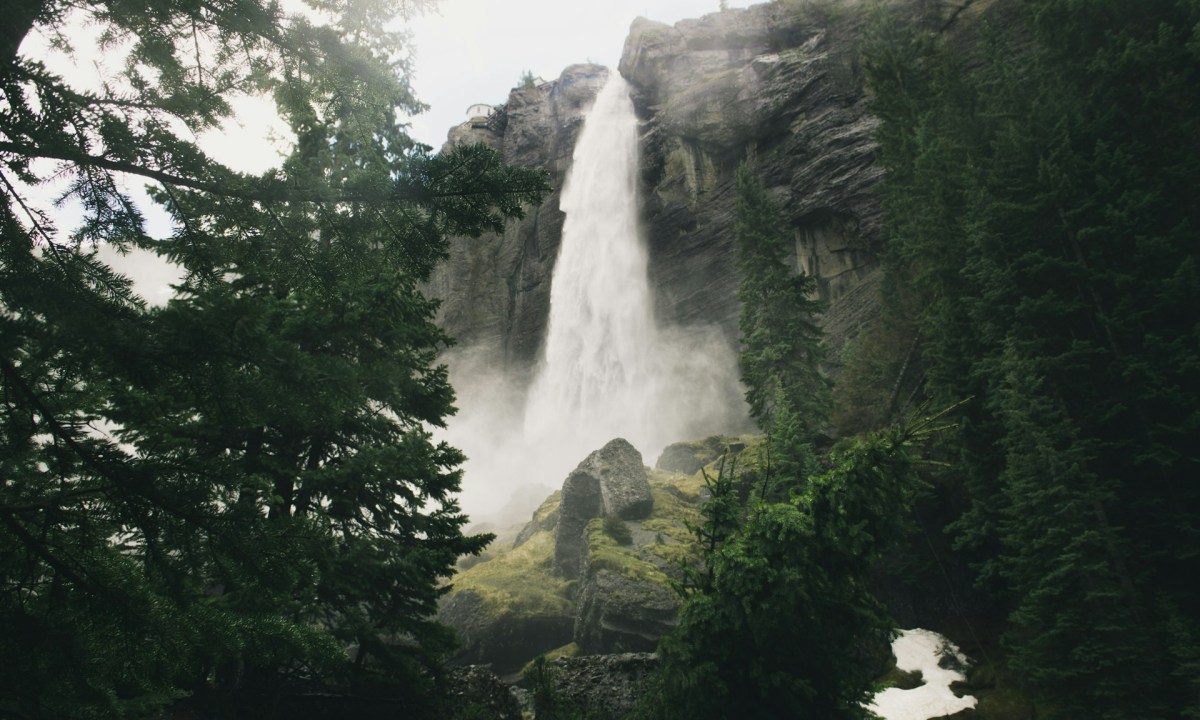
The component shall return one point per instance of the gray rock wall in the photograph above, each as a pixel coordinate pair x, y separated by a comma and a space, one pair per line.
495, 290
779, 81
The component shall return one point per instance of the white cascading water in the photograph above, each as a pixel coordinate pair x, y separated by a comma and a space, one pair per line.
600, 374
607, 370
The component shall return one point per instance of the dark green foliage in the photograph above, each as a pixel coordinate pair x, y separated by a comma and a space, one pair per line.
781, 621
218, 497
1041, 208
781, 341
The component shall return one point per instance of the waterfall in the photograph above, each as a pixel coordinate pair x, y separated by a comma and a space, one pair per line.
599, 378
607, 370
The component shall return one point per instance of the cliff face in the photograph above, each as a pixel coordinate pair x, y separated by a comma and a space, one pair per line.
779, 81
495, 290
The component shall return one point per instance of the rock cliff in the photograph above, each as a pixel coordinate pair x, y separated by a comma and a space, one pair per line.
495, 290
779, 82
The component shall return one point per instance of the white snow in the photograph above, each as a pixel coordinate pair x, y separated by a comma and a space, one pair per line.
918, 649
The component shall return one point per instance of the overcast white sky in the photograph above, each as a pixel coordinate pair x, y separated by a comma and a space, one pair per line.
467, 51
471, 51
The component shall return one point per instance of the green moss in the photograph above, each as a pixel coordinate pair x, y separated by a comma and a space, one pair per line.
548, 507
615, 528
688, 486
519, 582
671, 516
605, 554
673, 554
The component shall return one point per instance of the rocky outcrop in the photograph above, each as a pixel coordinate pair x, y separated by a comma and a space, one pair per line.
610, 590
689, 457
503, 635
495, 290
609, 482
619, 611
477, 693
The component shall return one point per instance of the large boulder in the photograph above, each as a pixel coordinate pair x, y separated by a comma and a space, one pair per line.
515, 602
610, 481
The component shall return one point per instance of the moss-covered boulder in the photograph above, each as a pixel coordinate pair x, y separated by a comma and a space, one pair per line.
609, 482
511, 605
689, 457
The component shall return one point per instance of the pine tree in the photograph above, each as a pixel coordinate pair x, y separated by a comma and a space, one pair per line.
218, 497
784, 622
1038, 209
781, 341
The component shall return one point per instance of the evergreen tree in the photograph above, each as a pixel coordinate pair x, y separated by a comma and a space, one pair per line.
783, 625
781, 341
217, 497
1038, 206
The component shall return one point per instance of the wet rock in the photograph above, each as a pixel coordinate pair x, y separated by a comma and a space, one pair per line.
610, 481
602, 686
622, 613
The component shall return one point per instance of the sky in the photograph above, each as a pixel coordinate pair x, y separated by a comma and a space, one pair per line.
470, 51
466, 51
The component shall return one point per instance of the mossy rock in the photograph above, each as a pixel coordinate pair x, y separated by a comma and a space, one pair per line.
689, 457
510, 605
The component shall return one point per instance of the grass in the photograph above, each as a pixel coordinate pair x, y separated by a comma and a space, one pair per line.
549, 505
520, 581
625, 560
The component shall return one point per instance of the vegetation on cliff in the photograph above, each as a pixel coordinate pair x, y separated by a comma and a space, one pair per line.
778, 617
1041, 244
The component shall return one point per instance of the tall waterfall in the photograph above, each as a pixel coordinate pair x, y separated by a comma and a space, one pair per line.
607, 370
600, 376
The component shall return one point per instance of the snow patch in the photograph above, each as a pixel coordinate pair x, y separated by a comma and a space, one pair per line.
919, 649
